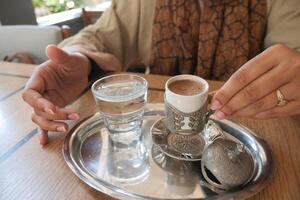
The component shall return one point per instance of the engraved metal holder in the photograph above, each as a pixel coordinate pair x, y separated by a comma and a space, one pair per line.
86, 152
178, 146
177, 120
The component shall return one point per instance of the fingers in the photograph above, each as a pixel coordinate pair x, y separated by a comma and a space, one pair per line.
211, 95
47, 109
291, 108
68, 62
57, 55
267, 102
256, 90
43, 137
35, 100
49, 125
59, 114
245, 75
289, 91
45, 121
292, 95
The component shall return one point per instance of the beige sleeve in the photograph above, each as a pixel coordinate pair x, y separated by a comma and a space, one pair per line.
115, 33
283, 25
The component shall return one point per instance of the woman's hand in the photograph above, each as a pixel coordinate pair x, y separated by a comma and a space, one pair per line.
253, 90
53, 85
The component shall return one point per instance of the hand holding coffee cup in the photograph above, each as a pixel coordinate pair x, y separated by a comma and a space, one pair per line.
186, 104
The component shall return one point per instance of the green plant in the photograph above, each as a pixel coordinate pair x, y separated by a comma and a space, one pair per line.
55, 6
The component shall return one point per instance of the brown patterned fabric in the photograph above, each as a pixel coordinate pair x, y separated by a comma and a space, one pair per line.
208, 38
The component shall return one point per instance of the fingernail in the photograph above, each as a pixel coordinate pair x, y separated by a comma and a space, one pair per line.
61, 129
73, 116
43, 143
220, 115
49, 111
215, 105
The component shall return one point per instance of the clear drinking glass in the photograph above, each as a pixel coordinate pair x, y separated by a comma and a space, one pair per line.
121, 100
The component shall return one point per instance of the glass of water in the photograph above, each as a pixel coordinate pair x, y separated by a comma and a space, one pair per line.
121, 100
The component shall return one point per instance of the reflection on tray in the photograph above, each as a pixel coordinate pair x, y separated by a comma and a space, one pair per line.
179, 174
89, 155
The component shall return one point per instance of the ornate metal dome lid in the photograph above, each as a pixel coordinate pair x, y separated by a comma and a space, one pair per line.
226, 164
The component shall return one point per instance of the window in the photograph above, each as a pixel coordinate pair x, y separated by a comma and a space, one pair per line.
46, 7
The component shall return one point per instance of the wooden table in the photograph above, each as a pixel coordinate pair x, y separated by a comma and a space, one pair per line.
28, 171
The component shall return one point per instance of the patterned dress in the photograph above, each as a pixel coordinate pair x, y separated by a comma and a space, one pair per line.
208, 38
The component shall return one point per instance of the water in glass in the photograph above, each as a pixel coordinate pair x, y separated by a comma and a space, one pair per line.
121, 99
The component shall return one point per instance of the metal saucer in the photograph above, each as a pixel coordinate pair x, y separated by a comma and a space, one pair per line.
181, 147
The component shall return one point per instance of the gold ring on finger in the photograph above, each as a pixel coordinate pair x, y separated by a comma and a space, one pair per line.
280, 98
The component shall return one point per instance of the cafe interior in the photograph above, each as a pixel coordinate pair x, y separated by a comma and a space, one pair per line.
144, 99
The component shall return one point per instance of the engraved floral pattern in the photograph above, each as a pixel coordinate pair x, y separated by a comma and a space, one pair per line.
176, 119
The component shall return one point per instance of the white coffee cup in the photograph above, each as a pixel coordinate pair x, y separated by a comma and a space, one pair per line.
189, 108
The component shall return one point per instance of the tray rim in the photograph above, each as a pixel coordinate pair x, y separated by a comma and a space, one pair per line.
115, 192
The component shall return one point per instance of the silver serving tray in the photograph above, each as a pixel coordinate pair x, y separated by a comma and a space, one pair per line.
86, 152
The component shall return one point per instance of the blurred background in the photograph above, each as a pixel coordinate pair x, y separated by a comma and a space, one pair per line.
28, 26
48, 12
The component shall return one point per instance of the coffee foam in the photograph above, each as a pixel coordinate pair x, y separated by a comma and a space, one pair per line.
186, 87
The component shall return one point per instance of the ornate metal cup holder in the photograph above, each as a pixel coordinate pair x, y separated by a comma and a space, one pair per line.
178, 146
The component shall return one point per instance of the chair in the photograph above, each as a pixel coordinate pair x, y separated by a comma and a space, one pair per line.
27, 43
89, 17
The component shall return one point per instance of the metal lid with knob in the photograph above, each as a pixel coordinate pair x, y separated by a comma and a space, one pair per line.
226, 164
